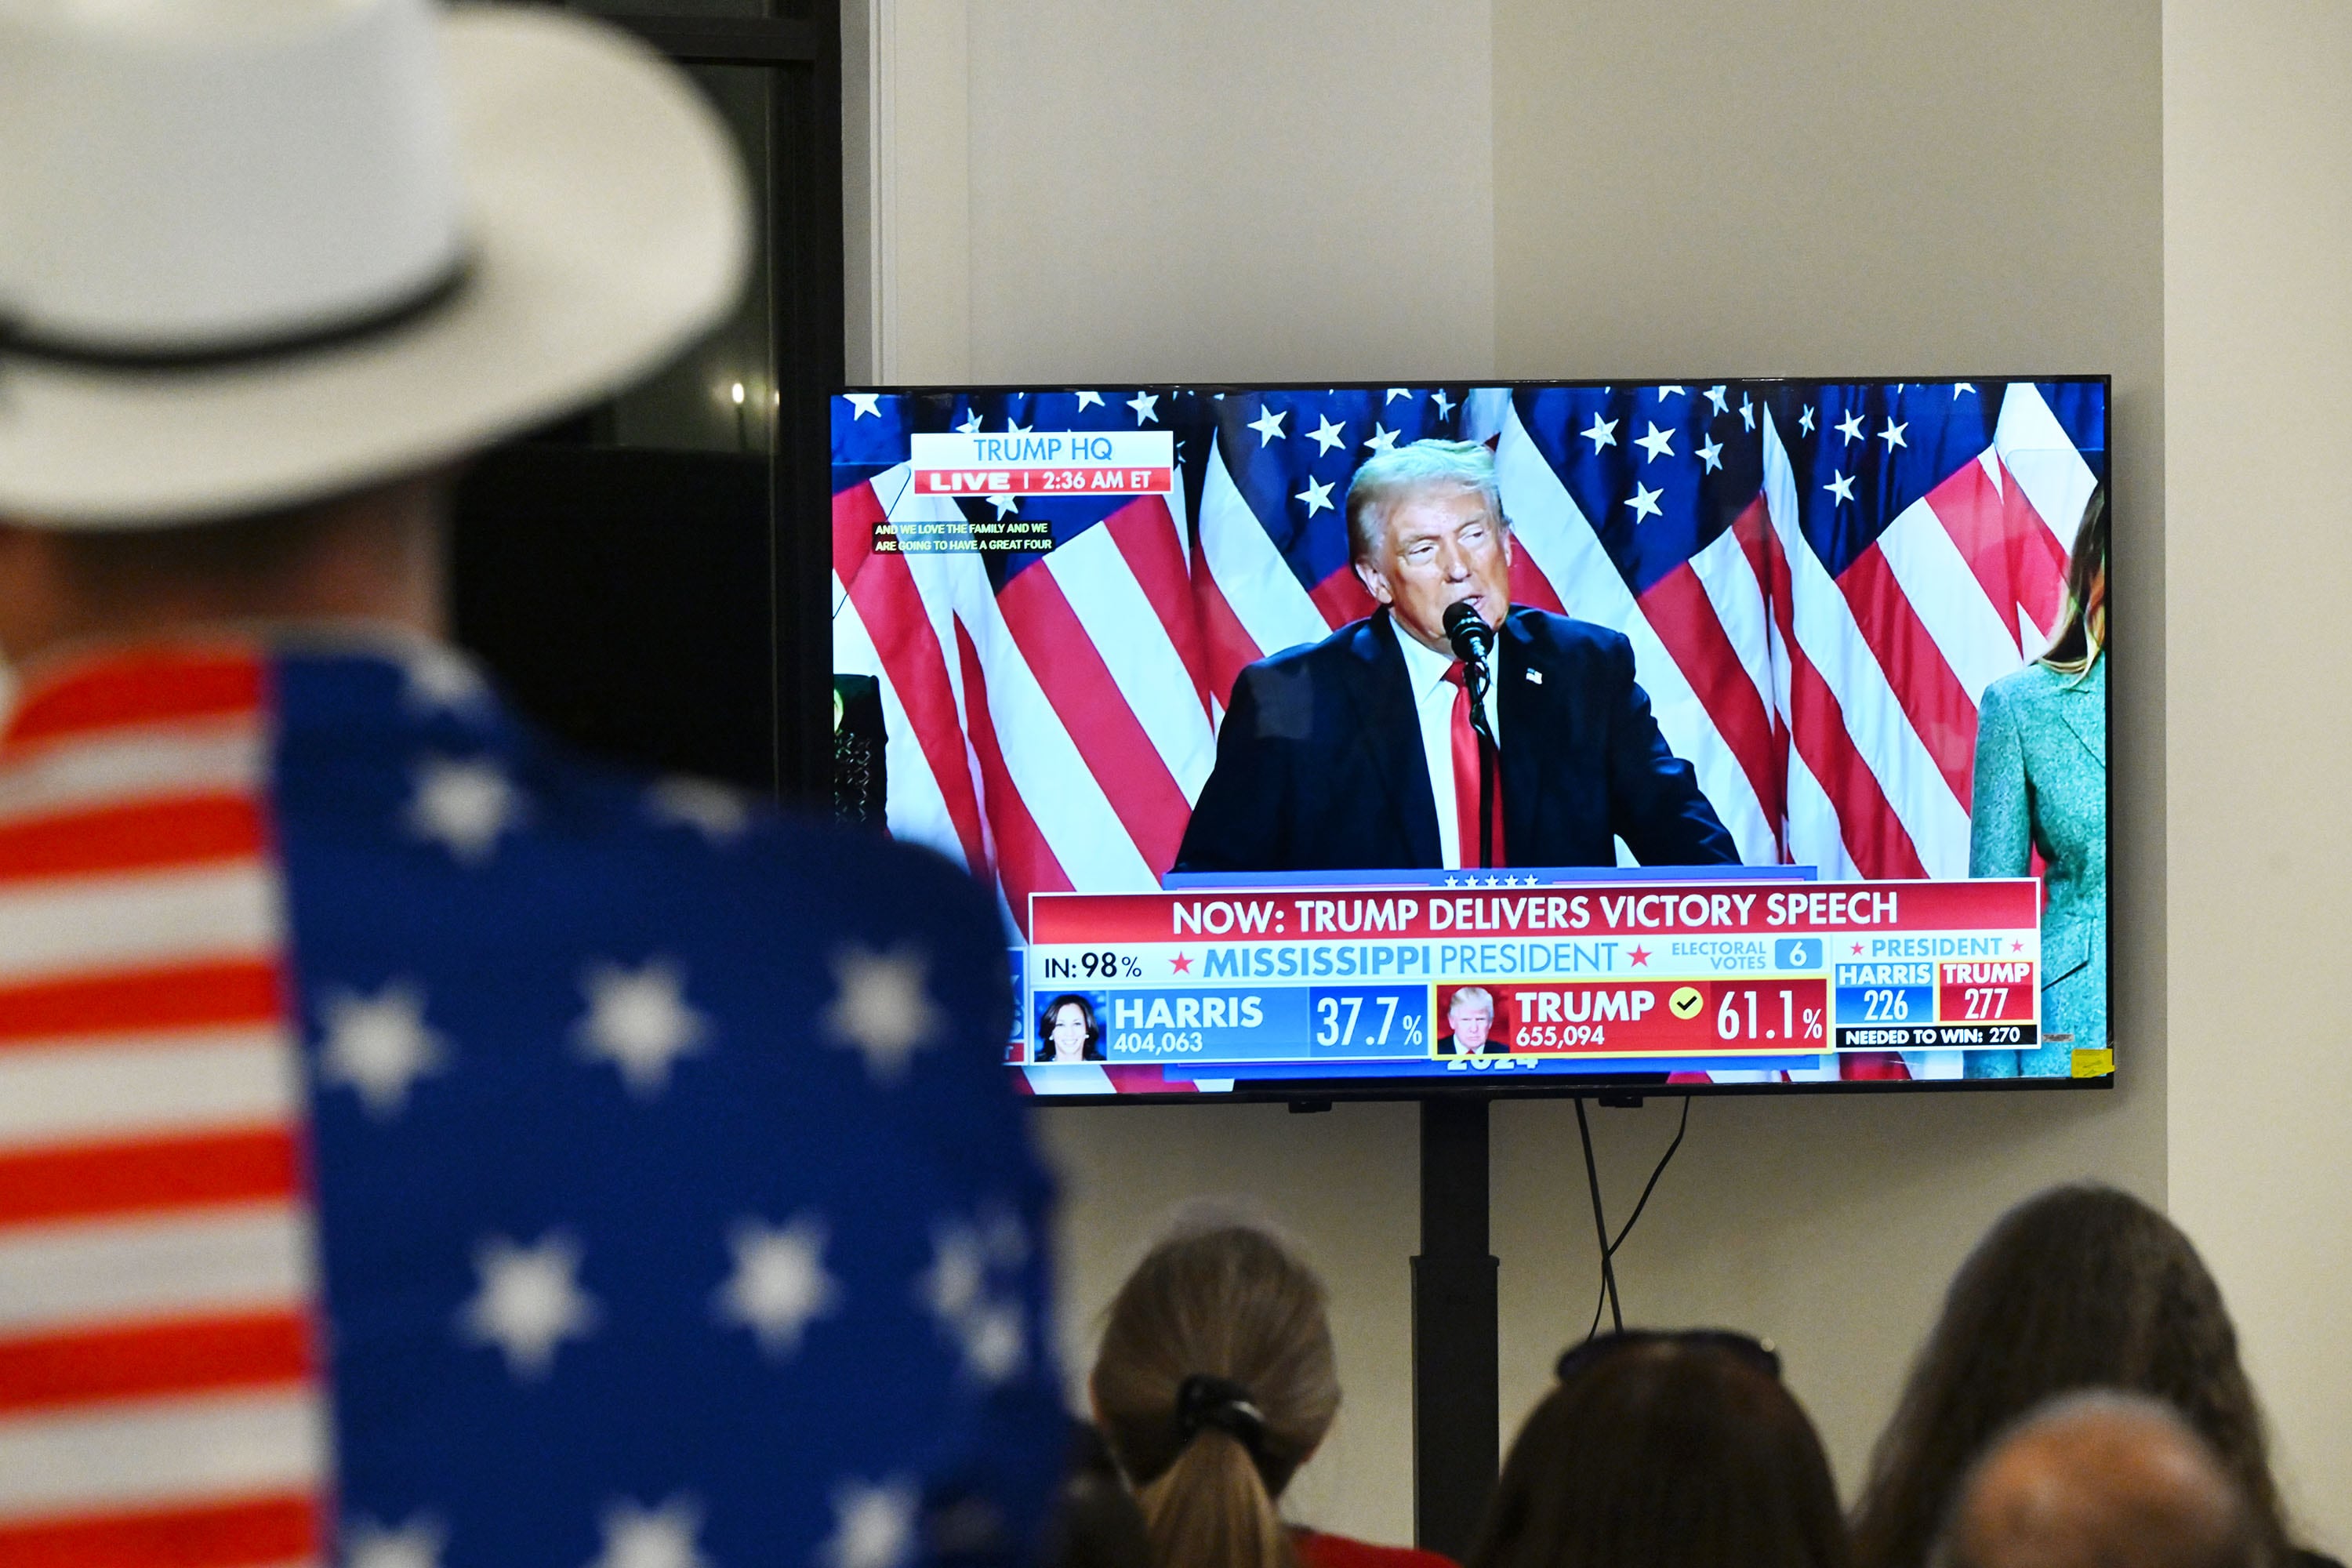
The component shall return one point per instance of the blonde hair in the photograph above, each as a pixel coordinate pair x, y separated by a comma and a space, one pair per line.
1477, 994
1389, 477
1232, 1311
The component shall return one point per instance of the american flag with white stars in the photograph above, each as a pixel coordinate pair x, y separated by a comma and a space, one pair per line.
422, 1149
1819, 580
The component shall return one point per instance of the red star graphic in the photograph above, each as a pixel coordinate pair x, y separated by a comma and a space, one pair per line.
1639, 955
1857, 950
1182, 964
2015, 945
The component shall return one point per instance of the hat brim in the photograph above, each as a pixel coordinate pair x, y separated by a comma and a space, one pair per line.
607, 228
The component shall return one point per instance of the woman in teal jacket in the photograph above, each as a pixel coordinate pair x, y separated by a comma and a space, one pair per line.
2041, 784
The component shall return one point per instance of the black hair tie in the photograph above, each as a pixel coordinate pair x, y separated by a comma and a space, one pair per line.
1204, 1401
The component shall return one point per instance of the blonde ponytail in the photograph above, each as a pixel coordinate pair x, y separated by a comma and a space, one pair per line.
1210, 1510
1214, 1384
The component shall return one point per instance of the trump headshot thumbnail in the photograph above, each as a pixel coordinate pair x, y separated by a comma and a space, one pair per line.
1470, 1025
1360, 750
1069, 1029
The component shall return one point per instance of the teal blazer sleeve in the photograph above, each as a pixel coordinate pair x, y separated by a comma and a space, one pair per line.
2000, 812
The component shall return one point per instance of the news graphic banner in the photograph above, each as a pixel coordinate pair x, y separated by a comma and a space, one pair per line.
1532, 978
1006, 468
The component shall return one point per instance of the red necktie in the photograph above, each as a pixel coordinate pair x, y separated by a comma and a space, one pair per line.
1470, 776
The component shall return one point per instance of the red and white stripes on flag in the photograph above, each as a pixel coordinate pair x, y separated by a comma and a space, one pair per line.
159, 1394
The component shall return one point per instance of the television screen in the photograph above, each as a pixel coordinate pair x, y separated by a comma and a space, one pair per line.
1374, 740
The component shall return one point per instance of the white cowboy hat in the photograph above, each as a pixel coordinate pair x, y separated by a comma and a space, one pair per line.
255, 252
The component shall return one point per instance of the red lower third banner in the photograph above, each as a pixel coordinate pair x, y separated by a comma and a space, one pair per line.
1718, 969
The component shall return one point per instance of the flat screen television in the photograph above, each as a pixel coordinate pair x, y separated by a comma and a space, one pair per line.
1535, 737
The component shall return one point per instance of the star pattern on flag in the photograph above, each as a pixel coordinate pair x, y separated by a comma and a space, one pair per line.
1851, 428
988, 1326
1269, 426
1645, 502
717, 812
529, 1301
378, 1046
1089, 400
1145, 405
995, 1347
464, 805
882, 1006
951, 1287
1711, 457
1394, 393
780, 1284
1005, 505
868, 404
1892, 435
1317, 496
1601, 433
416, 1544
639, 1021
1382, 439
1444, 403
1718, 395
1328, 436
639, 1537
1656, 443
874, 1526
435, 678
1805, 420
1841, 487
971, 426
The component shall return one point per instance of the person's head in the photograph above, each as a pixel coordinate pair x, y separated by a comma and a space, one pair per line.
255, 327
373, 553
1470, 1016
1426, 531
2082, 1286
2096, 1479
2082, 633
1214, 1382
1660, 1451
1070, 1031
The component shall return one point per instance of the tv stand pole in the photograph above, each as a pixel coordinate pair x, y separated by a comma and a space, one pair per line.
1456, 1366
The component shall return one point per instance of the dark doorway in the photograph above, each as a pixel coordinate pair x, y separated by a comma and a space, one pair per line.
647, 580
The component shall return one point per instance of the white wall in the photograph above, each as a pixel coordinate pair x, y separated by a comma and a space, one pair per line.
1310, 188
2258, 225
1230, 189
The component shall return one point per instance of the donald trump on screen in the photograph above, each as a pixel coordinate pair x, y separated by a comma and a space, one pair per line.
1359, 752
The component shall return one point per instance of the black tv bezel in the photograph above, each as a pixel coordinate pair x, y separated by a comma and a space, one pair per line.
1609, 1089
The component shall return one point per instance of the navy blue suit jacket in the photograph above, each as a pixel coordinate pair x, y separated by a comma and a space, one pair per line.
1320, 767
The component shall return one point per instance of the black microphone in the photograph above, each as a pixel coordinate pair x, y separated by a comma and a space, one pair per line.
1473, 639
1467, 630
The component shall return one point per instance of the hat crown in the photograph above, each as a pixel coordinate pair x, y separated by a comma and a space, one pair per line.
192, 175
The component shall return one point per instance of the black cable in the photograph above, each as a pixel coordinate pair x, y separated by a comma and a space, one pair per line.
1600, 1225
1608, 1253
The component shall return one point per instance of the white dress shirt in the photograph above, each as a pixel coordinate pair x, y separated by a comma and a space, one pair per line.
1432, 698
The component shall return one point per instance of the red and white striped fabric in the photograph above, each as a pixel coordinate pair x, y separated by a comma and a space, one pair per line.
160, 1398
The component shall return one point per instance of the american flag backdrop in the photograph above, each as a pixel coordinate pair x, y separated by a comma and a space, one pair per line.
1819, 580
